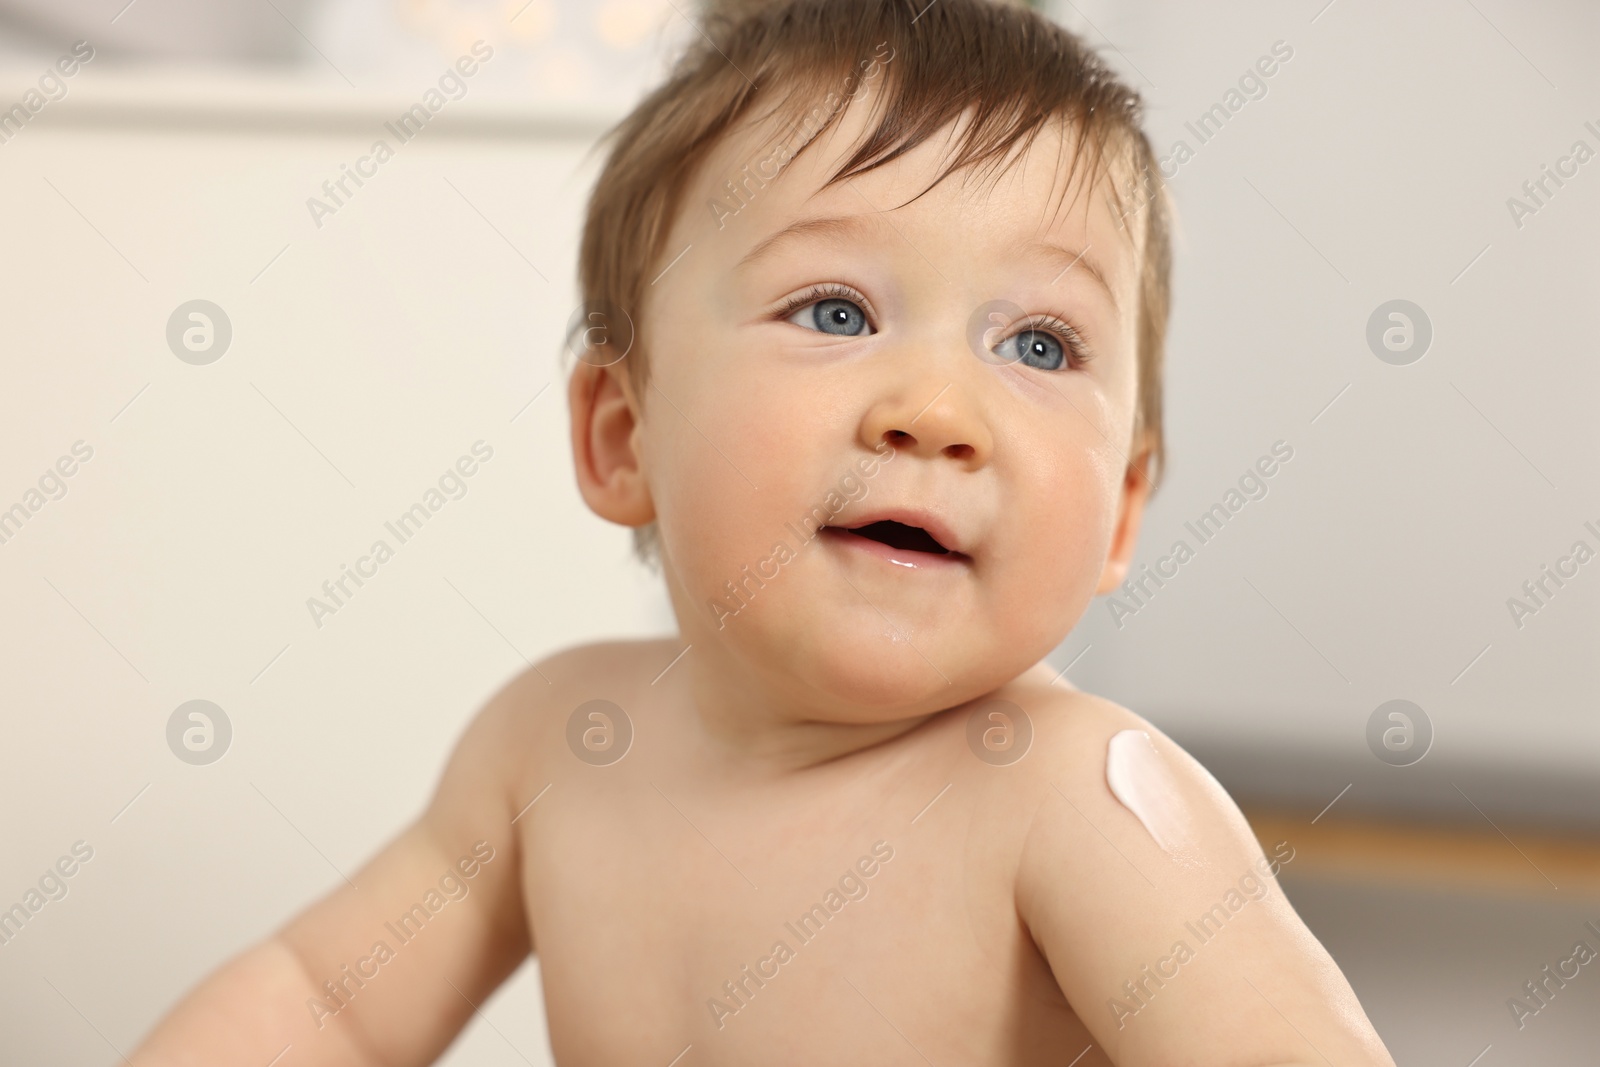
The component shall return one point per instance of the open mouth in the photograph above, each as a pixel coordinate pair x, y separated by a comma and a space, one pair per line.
897, 535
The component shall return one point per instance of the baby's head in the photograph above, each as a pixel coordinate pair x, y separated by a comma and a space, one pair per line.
876, 261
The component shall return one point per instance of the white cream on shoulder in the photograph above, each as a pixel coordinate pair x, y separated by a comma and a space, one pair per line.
1141, 780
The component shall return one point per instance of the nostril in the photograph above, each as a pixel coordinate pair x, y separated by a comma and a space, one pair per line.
960, 452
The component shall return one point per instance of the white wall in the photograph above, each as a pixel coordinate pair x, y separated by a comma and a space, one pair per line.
1377, 166
366, 358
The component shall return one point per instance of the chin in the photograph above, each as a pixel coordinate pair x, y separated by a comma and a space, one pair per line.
880, 690
860, 663
808, 632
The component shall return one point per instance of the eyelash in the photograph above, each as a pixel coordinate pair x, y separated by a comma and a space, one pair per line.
1073, 340
824, 291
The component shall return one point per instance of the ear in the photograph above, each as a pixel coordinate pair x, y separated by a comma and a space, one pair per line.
1135, 492
605, 444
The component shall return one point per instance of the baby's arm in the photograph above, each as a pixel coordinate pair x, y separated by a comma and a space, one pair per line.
408, 1008
1133, 935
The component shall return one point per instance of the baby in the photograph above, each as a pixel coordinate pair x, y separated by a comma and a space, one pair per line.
875, 299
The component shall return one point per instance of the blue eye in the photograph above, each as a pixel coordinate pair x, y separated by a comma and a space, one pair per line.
840, 317
828, 310
1034, 348
1046, 343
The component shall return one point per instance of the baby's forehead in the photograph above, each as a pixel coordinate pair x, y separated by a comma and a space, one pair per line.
1055, 187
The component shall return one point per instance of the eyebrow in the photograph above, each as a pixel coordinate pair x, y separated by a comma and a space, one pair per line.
1071, 258
838, 226
821, 225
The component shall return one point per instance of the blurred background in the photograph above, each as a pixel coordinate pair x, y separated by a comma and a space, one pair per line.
216, 393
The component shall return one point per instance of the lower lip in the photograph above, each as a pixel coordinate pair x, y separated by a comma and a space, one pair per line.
899, 557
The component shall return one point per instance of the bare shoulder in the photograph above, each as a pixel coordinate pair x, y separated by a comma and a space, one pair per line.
1114, 808
577, 672
1135, 861
1086, 750
525, 717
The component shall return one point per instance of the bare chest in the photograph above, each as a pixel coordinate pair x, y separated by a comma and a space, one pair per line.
864, 921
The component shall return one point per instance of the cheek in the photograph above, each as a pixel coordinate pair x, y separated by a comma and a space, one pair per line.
1078, 520
729, 464
1065, 507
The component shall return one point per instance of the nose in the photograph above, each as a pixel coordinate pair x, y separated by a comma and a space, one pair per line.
930, 418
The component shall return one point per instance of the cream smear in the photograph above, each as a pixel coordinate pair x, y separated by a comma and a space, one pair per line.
1141, 781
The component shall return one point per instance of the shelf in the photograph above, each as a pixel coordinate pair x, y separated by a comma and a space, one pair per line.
262, 100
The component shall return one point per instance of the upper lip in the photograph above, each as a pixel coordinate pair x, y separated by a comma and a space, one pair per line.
936, 526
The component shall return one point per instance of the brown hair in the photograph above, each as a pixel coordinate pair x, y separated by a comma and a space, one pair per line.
1012, 67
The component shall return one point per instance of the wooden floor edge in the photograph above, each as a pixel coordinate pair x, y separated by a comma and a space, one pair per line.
1420, 853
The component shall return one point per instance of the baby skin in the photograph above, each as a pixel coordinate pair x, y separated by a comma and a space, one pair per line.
846, 815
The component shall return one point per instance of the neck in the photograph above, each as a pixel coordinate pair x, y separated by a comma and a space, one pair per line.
771, 724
